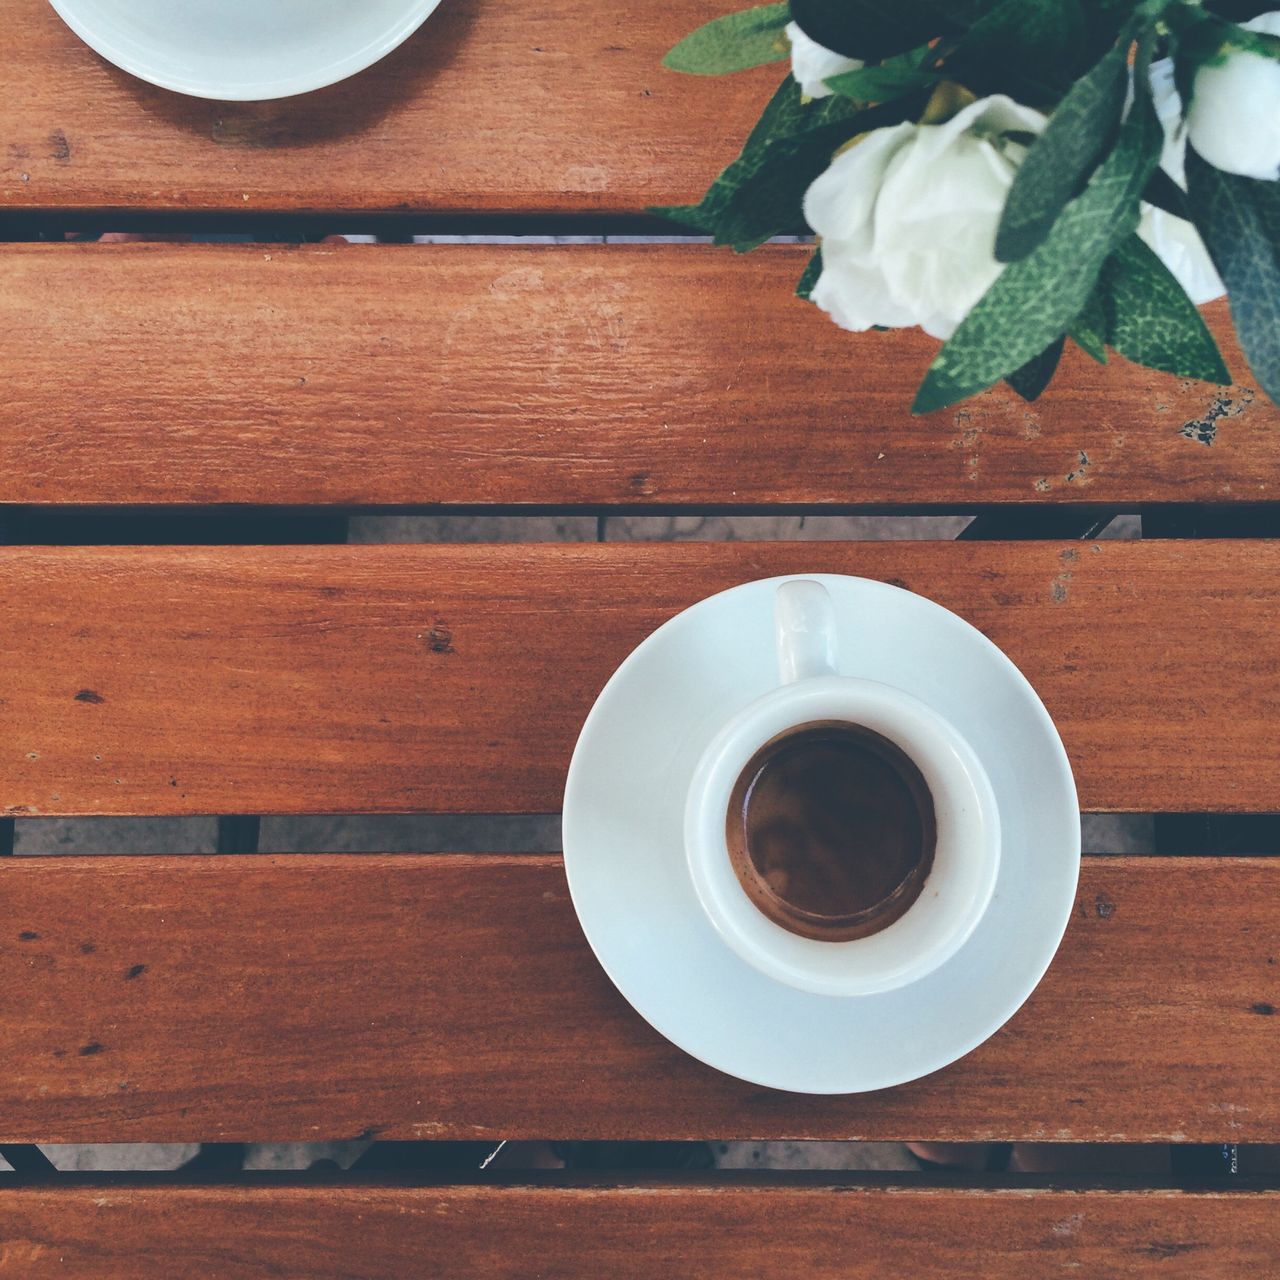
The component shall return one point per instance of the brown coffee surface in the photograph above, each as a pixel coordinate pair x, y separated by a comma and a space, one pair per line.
831, 830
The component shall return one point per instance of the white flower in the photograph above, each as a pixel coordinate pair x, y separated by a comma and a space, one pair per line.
812, 65
908, 218
1180, 248
1234, 118
1176, 241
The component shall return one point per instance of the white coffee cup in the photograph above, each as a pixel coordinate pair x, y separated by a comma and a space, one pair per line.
967, 850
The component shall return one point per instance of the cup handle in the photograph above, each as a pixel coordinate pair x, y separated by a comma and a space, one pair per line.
805, 627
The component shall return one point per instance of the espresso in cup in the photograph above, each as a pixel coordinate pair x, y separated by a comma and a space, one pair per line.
831, 830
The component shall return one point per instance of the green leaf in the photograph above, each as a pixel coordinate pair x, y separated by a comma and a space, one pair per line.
1201, 39
1089, 329
787, 114
1036, 299
1165, 194
1108, 20
734, 42
768, 192
1150, 319
1239, 221
761, 194
1262, 43
696, 217
804, 288
875, 29
1030, 48
1062, 157
1036, 374
1240, 10
891, 79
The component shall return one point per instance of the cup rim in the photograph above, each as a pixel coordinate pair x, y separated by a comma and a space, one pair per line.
816, 918
966, 857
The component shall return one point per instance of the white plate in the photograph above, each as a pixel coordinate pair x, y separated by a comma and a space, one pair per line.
625, 860
243, 50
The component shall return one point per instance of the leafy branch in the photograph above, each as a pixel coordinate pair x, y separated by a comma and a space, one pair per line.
1074, 266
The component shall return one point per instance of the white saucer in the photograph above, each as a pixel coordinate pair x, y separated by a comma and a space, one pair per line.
243, 50
624, 855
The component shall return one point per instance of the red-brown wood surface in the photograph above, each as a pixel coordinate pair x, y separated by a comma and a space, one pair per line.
452, 996
634, 1233
456, 678
505, 105
606, 376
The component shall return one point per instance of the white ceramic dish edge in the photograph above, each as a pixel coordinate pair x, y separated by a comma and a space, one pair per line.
258, 91
1053, 924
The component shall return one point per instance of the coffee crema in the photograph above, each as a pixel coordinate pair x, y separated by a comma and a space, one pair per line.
831, 830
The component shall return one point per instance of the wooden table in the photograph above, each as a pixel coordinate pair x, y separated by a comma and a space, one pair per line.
157, 391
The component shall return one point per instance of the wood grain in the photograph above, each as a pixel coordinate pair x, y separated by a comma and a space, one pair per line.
549, 106
598, 376
838, 1232
442, 996
455, 678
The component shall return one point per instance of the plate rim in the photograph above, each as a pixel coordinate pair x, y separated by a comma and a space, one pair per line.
417, 12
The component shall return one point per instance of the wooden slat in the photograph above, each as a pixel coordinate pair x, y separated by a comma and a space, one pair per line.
456, 678
522, 106
605, 376
634, 1232
453, 996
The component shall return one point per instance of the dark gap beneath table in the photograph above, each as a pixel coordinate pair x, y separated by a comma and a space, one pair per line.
499, 833
268, 526
1103, 834
248, 524
276, 228
1104, 1165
